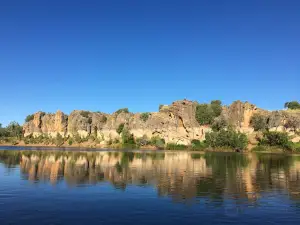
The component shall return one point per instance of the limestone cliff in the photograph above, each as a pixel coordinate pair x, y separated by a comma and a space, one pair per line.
175, 123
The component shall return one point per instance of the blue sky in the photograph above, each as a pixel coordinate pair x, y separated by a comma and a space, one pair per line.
105, 55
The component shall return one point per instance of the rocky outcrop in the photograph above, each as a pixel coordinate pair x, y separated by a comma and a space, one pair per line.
49, 124
175, 123
239, 114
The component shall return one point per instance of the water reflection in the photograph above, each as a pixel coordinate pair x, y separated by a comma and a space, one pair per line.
183, 176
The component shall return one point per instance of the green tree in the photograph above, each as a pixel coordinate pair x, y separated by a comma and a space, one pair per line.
216, 106
3, 131
275, 138
120, 128
219, 123
292, 105
59, 140
124, 110
157, 142
29, 118
85, 114
204, 114
226, 138
258, 122
127, 137
14, 130
144, 116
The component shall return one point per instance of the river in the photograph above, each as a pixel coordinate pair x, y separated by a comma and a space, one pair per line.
117, 187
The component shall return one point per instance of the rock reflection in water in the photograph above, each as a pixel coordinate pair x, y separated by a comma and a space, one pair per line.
182, 175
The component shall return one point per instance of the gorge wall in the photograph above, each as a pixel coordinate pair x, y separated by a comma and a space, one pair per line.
175, 123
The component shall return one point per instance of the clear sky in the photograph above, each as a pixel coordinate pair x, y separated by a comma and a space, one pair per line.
104, 55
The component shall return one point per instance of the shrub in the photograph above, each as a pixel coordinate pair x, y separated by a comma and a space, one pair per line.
275, 138
157, 142
204, 114
125, 110
258, 122
216, 107
160, 106
127, 137
13, 129
109, 142
85, 114
29, 118
293, 123
292, 105
195, 142
219, 123
297, 147
116, 141
142, 141
226, 138
198, 145
103, 119
173, 146
120, 128
77, 138
59, 140
70, 141
144, 116
14, 141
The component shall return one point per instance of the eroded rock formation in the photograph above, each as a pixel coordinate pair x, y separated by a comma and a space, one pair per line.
175, 123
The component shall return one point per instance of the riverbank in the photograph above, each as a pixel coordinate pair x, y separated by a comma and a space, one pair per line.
86, 146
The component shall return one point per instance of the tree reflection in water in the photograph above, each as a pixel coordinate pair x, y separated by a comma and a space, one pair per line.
183, 176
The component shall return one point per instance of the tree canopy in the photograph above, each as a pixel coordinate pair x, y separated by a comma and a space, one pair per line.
292, 105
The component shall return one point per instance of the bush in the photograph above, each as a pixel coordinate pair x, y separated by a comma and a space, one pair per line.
85, 114
258, 122
226, 138
125, 110
142, 141
144, 116
109, 142
173, 146
160, 106
116, 141
13, 129
29, 118
198, 145
292, 105
77, 138
216, 107
70, 141
127, 137
103, 119
205, 113
157, 142
297, 147
292, 123
14, 141
120, 128
275, 138
59, 140
219, 123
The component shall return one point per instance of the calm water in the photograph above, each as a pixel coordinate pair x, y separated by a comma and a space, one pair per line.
47, 187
